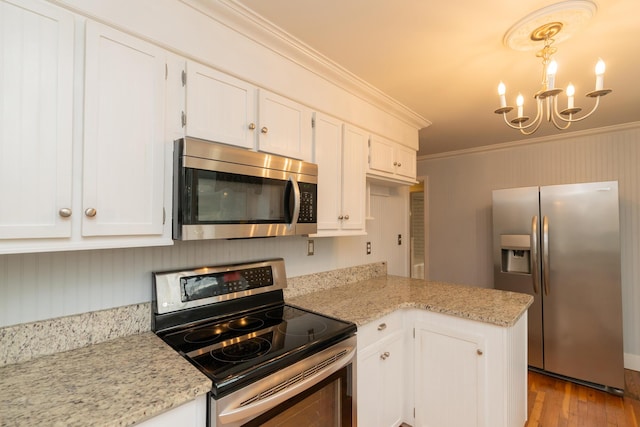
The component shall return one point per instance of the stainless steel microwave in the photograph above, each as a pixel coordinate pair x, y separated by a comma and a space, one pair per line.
223, 192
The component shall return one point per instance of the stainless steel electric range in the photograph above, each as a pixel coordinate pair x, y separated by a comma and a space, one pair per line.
270, 363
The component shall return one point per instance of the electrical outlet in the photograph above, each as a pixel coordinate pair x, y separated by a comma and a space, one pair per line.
368, 248
310, 247
399, 239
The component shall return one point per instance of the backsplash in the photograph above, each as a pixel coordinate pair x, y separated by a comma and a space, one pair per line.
23, 342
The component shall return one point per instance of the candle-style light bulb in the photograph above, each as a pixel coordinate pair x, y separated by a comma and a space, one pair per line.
520, 104
501, 92
600, 67
570, 92
552, 69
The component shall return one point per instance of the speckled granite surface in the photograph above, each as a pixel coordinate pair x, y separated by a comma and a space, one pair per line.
114, 383
301, 285
24, 342
367, 300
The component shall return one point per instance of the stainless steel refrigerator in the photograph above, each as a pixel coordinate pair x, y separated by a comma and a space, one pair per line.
561, 244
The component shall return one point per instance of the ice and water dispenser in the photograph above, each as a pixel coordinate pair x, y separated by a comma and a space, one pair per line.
516, 253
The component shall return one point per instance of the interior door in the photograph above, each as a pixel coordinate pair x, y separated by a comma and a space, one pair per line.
515, 219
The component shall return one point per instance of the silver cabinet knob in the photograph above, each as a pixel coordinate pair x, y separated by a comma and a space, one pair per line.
264, 129
346, 217
341, 217
382, 326
90, 212
385, 355
395, 163
399, 164
252, 126
479, 351
64, 212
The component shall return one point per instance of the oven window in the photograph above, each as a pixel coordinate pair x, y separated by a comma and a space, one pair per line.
225, 198
328, 403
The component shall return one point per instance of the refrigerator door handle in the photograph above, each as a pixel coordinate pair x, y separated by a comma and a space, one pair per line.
545, 254
534, 253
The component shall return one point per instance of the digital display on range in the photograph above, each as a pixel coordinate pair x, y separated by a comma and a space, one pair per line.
193, 288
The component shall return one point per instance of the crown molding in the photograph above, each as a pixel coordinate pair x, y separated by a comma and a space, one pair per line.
242, 20
540, 140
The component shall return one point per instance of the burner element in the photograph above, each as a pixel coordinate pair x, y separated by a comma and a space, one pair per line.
203, 335
242, 351
310, 328
247, 323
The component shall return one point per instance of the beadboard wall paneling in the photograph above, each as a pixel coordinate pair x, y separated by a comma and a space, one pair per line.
459, 194
47, 285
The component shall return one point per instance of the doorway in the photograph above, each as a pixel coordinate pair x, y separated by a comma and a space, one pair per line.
417, 231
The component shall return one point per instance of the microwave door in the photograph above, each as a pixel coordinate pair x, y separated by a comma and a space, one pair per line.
292, 202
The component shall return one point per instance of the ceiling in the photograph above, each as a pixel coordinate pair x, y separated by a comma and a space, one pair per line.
444, 60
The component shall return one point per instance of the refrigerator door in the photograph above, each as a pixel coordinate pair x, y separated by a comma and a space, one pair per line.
582, 294
516, 256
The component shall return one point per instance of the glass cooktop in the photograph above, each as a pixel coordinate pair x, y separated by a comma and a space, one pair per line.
238, 350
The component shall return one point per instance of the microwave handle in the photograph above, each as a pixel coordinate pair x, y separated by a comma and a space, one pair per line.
296, 201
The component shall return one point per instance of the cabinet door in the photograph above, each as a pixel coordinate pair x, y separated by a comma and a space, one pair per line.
220, 108
285, 127
354, 156
123, 135
449, 376
405, 160
381, 154
380, 382
36, 65
328, 156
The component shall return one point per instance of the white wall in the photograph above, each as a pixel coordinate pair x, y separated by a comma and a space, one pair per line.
459, 191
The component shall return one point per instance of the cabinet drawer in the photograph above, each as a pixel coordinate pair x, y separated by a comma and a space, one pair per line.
380, 328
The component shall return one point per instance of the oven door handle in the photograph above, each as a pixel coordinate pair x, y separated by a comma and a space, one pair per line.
291, 381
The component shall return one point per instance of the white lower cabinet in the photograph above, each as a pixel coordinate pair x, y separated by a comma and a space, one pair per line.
450, 372
190, 414
381, 375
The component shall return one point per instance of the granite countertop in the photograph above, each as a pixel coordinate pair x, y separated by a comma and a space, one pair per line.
114, 383
365, 301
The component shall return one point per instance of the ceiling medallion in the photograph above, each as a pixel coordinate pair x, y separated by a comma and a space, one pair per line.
551, 24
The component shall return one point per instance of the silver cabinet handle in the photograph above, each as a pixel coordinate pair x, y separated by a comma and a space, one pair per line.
385, 355
346, 217
64, 212
264, 129
90, 212
382, 326
252, 126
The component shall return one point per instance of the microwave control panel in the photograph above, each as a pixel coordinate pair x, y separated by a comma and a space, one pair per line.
308, 203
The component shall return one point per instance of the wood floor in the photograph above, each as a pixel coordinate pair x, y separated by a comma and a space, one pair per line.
556, 403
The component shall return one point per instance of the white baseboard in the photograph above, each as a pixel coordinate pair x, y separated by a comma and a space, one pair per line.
632, 361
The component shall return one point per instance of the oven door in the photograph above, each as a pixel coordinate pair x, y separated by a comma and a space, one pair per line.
319, 390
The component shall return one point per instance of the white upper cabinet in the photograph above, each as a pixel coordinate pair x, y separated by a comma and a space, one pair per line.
340, 152
220, 107
391, 161
285, 127
36, 116
123, 173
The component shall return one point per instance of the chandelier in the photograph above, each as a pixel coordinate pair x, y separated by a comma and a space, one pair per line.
546, 99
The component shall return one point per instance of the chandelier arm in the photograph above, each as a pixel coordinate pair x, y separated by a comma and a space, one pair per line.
577, 119
555, 115
535, 122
